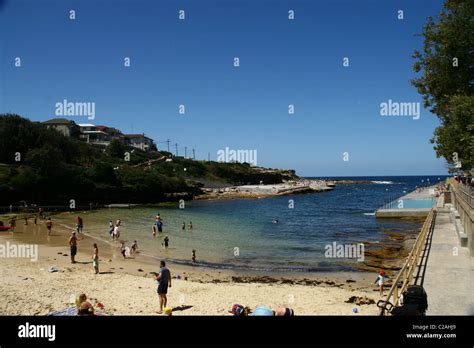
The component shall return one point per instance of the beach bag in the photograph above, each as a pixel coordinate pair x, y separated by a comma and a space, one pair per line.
415, 295
238, 310
407, 310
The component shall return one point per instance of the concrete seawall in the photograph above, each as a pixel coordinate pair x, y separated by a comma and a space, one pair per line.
394, 211
462, 215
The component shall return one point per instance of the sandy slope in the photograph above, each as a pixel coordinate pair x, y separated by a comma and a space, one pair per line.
27, 288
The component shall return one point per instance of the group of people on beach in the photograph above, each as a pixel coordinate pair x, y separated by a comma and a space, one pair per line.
40, 214
114, 229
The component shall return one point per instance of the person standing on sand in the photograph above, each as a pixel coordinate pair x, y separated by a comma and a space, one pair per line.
194, 256
116, 233
164, 281
36, 218
95, 259
79, 224
49, 226
123, 250
381, 280
134, 247
12, 224
73, 246
111, 229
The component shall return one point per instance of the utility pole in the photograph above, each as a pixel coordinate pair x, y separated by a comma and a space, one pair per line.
209, 157
185, 151
176, 149
194, 154
168, 141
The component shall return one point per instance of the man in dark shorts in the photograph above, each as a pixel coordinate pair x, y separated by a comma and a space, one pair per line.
164, 280
159, 225
73, 246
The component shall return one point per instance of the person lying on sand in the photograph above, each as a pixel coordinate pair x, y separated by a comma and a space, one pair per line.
84, 307
239, 310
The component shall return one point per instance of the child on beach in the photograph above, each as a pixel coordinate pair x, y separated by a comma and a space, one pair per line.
122, 249
111, 228
165, 241
79, 224
95, 259
49, 225
381, 280
12, 224
134, 247
116, 232
194, 256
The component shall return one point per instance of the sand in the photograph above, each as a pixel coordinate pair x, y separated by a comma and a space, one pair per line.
126, 287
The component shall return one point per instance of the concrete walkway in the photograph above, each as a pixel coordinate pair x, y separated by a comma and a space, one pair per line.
449, 279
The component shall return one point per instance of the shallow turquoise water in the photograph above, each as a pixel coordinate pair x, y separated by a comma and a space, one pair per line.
240, 233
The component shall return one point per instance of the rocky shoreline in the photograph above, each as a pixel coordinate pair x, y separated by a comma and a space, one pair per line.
262, 190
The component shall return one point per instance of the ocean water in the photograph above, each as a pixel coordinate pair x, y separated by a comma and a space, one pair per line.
240, 233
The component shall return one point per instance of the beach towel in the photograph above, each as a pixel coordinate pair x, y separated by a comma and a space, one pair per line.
70, 311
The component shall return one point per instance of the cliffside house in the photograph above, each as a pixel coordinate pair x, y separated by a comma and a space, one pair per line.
64, 126
139, 141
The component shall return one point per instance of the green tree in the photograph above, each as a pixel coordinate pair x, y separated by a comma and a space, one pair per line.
46, 160
116, 149
446, 64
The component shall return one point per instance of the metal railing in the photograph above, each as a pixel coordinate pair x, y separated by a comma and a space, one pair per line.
405, 275
466, 192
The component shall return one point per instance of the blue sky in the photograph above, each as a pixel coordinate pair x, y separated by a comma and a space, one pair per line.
190, 62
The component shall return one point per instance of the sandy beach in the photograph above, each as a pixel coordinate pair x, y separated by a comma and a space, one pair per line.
126, 287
